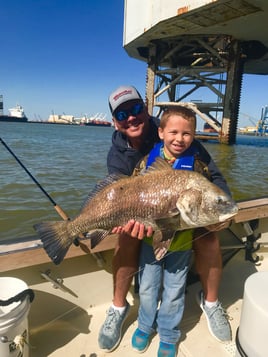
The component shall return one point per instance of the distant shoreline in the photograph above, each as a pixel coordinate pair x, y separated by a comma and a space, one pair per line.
19, 120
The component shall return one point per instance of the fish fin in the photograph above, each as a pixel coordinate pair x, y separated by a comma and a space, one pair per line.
97, 236
169, 224
162, 249
54, 236
161, 244
158, 165
108, 180
163, 236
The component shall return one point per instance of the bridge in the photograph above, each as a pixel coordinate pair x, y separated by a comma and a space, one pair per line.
198, 46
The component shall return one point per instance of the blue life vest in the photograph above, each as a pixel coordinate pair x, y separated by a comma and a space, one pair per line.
184, 162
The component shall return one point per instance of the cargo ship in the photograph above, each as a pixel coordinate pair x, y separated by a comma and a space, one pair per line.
16, 115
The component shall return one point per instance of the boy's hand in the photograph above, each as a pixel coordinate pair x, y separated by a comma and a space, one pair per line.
134, 229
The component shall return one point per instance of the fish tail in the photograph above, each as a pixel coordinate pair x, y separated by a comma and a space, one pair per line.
55, 238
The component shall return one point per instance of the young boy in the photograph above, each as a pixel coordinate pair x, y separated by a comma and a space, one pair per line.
162, 283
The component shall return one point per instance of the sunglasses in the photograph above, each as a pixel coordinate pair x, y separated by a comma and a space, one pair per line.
124, 114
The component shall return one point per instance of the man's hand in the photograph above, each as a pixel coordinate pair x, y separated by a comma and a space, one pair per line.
134, 229
218, 226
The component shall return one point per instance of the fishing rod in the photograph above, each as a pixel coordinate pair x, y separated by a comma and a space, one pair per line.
59, 210
57, 207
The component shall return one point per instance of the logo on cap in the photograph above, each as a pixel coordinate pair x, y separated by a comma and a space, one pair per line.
125, 92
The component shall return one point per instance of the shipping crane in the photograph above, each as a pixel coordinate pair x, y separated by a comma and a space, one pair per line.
250, 118
263, 122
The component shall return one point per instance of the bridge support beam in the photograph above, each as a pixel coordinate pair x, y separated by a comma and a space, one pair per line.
206, 66
232, 95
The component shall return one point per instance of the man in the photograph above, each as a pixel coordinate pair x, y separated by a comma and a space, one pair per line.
135, 135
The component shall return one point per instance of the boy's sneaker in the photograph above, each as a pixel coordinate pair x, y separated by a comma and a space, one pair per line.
110, 332
140, 341
217, 319
166, 350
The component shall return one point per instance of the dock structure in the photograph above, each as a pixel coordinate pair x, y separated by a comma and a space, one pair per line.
200, 48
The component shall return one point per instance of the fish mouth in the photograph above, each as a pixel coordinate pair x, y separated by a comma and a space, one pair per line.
226, 216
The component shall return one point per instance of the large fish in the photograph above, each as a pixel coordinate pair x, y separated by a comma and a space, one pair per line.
166, 199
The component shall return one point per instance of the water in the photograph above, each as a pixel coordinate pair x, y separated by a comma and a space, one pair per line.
67, 161
244, 165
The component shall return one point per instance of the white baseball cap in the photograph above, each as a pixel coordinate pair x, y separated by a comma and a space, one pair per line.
122, 95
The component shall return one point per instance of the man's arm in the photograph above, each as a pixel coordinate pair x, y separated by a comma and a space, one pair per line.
215, 173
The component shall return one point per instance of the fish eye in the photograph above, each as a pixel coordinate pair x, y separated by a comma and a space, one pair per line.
220, 200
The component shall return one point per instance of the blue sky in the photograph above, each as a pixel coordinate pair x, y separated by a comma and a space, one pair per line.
66, 56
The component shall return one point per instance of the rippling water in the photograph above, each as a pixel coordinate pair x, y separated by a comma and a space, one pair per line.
67, 161
244, 165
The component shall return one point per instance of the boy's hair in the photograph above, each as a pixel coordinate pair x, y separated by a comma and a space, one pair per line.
184, 112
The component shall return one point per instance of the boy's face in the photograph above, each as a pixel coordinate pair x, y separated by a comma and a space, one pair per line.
177, 135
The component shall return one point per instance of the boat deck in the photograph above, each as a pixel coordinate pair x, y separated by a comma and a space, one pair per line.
71, 300
66, 321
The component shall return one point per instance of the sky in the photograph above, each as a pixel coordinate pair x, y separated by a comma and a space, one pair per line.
67, 56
